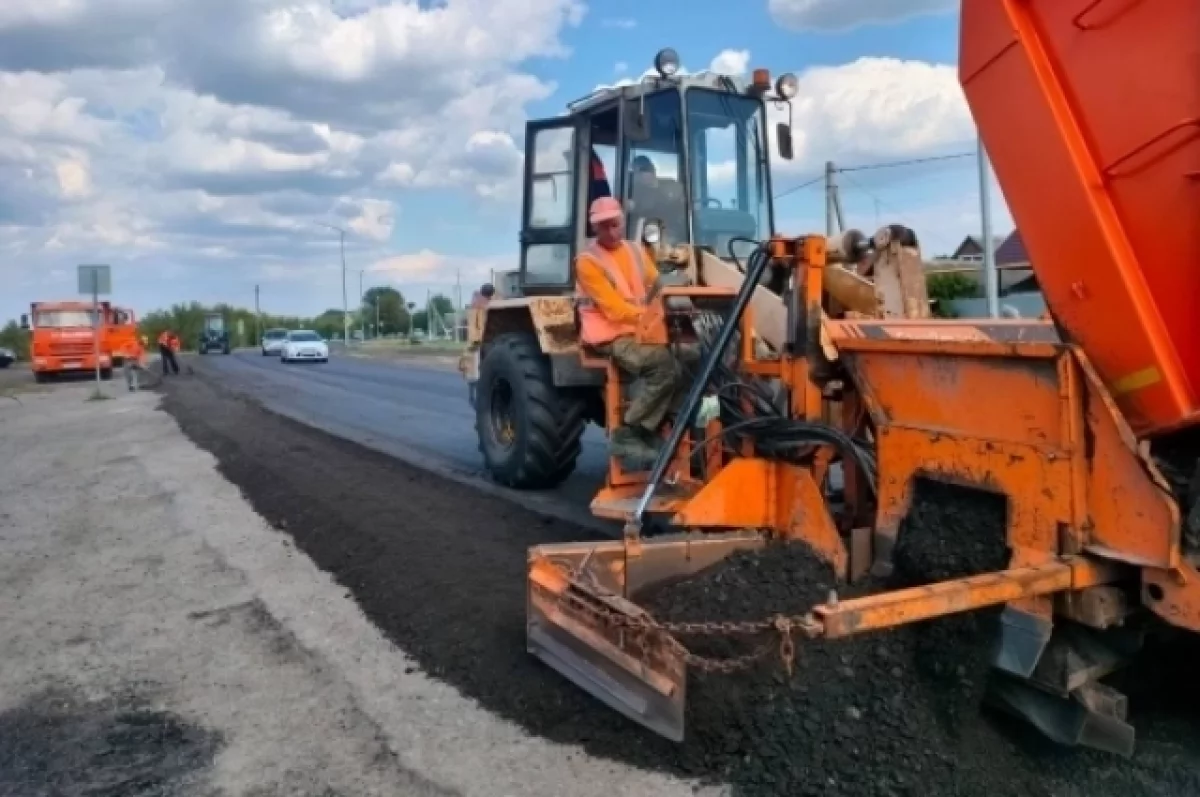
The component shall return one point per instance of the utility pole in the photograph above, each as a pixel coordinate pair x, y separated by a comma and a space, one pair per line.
458, 304
257, 317
833, 202
345, 302
362, 300
991, 281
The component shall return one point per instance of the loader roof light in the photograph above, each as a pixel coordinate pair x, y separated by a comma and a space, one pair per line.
761, 82
787, 86
666, 63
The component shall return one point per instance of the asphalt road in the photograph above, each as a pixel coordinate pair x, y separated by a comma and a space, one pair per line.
413, 411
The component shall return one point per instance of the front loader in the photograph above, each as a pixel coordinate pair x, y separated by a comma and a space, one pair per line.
537, 387
1087, 423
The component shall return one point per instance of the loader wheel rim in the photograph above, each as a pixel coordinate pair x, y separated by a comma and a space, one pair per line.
504, 426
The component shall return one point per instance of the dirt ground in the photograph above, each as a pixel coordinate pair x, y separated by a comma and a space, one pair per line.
159, 638
419, 555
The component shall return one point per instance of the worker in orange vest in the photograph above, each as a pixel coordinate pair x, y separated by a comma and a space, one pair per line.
135, 361
613, 279
168, 344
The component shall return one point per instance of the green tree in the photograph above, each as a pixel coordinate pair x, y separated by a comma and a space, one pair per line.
187, 321
328, 324
420, 321
441, 305
946, 287
393, 314
15, 338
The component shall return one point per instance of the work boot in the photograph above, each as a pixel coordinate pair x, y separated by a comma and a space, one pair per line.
628, 446
652, 440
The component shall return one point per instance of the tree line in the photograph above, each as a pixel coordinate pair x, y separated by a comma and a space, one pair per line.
384, 312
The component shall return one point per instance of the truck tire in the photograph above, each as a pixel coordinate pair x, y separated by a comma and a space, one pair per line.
528, 431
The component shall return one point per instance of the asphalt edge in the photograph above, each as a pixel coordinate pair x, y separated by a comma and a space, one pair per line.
532, 502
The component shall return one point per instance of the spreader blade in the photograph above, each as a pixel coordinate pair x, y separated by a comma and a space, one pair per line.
580, 619
637, 673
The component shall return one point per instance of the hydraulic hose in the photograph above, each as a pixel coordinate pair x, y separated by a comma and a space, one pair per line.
756, 266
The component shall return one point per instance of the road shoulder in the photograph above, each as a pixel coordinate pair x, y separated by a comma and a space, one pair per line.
142, 592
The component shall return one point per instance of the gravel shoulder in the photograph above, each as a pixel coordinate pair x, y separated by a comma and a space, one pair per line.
439, 569
160, 638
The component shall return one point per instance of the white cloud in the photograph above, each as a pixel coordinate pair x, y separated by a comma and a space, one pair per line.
876, 109
216, 133
839, 15
624, 23
730, 62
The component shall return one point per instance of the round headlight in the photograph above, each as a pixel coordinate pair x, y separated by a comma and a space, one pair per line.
666, 62
787, 86
652, 233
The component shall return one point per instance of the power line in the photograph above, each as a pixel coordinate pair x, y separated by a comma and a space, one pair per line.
909, 162
889, 206
796, 188
873, 166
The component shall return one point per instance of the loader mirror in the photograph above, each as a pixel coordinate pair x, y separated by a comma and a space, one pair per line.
783, 134
637, 127
24, 321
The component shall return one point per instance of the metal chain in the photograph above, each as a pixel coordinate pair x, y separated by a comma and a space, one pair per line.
782, 625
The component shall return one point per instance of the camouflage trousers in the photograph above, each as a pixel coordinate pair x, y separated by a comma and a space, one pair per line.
661, 375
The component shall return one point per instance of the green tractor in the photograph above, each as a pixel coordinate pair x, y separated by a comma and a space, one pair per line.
215, 337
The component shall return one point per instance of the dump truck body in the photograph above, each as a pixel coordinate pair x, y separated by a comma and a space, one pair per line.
1090, 112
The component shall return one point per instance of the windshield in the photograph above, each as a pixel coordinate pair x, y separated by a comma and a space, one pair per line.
654, 171
214, 324
276, 334
730, 191
62, 319
307, 337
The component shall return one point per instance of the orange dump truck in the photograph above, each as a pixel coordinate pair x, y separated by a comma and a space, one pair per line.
120, 335
62, 339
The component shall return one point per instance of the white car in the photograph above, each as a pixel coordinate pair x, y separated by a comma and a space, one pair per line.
273, 340
304, 345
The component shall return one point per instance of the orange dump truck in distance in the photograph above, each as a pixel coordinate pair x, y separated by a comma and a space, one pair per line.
120, 335
62, 339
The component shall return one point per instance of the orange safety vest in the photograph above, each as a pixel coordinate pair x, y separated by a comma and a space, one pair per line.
595, 328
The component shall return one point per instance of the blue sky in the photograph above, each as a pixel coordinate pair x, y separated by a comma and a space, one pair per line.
199, 145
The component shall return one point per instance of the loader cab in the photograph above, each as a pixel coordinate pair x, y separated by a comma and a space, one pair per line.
689, 151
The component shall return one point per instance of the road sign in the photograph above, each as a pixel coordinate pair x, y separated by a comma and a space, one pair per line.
95, 280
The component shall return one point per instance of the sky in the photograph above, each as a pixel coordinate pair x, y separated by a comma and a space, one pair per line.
200, 147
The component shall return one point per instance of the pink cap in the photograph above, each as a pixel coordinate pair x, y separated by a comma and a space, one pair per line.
603, 209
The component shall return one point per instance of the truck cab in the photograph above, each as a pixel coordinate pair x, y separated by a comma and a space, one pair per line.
63, 339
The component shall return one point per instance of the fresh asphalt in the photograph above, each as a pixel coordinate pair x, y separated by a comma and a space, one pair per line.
413, 411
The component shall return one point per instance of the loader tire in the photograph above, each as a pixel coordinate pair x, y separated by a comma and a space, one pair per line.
529, 432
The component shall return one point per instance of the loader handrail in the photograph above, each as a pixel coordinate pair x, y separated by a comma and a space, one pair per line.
755, 267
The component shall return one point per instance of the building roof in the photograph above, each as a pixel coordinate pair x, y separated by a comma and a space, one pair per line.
1012, 250
975, 242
